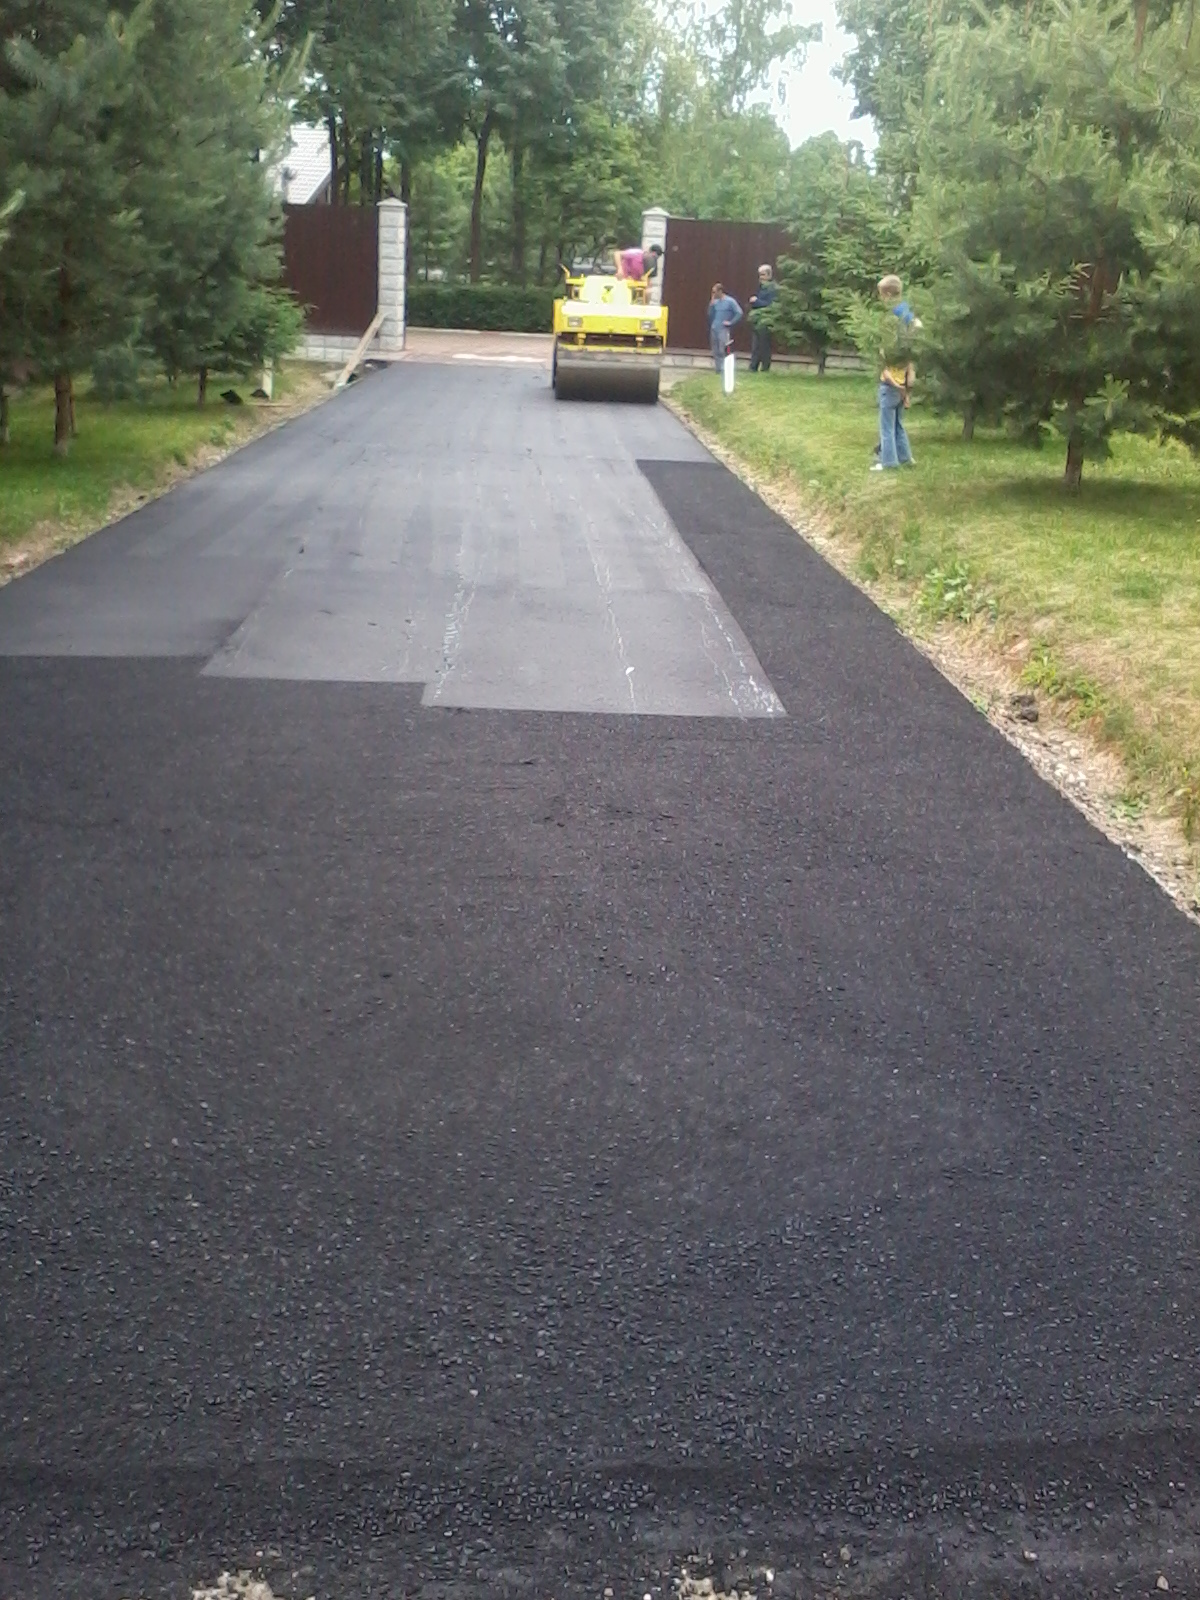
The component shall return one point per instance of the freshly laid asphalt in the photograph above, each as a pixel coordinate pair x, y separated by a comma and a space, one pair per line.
538, 1038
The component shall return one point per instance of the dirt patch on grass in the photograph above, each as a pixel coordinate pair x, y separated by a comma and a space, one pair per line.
307, 387
993, 670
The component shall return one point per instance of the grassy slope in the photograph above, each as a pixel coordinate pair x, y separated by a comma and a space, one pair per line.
122, 447
1104, 585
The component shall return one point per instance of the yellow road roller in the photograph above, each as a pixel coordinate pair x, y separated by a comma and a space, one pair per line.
608, 340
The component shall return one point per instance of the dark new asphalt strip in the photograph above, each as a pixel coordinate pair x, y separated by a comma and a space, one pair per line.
510, 1149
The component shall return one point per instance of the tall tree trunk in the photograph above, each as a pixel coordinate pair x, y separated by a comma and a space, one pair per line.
379, 172
481, 155
202, 387
4, 433
334, 175
1143, 13
822, 358
406, 196
1073, 476
64, 390
62, 412
968, 429
347, 162
364, 170
518, 211
542, 254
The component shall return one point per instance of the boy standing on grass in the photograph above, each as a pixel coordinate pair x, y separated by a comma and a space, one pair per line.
897, 377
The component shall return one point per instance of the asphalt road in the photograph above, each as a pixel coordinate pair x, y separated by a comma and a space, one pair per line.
454, 1142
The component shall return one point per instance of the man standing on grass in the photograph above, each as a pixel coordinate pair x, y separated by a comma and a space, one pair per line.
760, 335
724, 314
897, 377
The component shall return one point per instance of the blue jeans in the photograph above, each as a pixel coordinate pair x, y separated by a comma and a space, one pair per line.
893, 441
720, 344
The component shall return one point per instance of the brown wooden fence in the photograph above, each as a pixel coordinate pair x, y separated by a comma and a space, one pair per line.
331, 265
700, 254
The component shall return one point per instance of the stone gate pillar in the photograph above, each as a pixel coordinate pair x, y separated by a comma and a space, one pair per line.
393, 227
654, 231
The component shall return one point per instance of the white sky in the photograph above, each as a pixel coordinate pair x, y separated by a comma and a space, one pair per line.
815, 100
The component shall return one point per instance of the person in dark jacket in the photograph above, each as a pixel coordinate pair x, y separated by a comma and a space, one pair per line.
760, 335
724, 314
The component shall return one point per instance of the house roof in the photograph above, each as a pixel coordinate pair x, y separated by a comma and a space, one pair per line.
303, 174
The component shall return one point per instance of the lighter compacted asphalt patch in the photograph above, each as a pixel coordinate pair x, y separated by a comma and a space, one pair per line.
456, 1143
453, 529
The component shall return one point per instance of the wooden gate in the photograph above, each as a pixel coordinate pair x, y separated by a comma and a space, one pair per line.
700, 254
331, 265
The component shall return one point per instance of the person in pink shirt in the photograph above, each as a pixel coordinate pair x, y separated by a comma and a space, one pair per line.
637, 263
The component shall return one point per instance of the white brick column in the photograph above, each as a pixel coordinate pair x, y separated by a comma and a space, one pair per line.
654, 231
393, 227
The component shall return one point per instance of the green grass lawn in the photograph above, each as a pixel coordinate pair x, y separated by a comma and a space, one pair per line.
123, 448
1104, 584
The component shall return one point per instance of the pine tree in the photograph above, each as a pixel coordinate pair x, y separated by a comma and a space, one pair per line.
847, 235
1060, 194
209, 112
7, 211
70, 275
881, 337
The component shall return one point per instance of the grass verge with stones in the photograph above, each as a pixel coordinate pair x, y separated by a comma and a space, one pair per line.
125, 452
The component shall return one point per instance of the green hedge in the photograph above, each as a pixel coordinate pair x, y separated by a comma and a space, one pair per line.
500, 306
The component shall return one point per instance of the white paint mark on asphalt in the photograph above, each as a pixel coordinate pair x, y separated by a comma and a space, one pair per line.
503, 361
235, 1586
604, 582
452, 637
752, 697
469, 564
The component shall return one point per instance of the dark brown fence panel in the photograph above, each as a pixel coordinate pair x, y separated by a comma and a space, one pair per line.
330, 263
700, 254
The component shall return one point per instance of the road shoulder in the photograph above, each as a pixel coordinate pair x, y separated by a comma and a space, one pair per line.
308, 386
